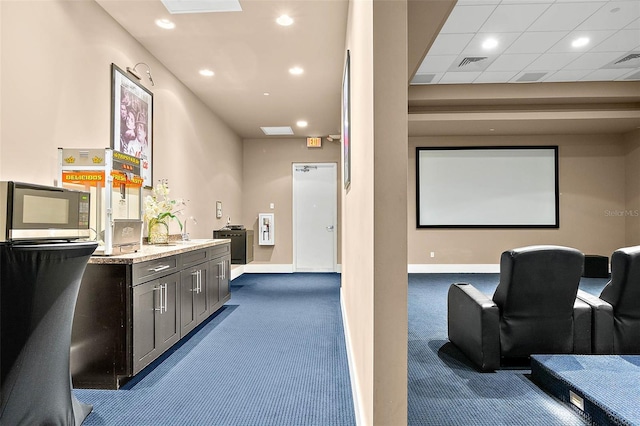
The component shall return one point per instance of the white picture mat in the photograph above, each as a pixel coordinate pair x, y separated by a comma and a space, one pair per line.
487, 187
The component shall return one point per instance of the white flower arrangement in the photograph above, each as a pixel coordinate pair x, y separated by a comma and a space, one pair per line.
158, 207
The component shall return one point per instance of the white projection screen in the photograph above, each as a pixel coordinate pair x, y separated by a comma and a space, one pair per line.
487, 187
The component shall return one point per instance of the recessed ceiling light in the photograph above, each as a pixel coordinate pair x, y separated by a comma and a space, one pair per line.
165, 23
277, 130
266, 93
302, 123
580, 42
490, 43
284, 20
296, 70
206, 73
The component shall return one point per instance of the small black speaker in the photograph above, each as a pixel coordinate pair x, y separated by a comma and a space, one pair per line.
596, 266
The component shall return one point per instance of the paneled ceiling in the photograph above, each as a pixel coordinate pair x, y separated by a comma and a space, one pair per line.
500, 41
250, 56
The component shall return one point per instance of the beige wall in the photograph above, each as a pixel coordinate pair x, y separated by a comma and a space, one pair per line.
56, 92
374, 259
632, 194
267, 177
592, 189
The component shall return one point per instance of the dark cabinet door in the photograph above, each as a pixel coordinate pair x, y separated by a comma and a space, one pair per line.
202, 309
188, 289
223, 285
156, 323
168, 317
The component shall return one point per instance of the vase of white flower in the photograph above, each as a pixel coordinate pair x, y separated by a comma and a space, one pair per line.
159, 209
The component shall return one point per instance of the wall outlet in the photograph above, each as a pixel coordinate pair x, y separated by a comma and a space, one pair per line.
433, 254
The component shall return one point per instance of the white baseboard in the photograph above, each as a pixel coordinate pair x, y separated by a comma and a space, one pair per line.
355, 390
485, 268
267, 268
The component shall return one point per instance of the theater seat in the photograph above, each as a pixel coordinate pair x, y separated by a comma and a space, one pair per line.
616, 313
534, 309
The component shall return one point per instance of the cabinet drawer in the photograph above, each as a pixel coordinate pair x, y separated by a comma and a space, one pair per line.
221, 250
193, 257
152, 269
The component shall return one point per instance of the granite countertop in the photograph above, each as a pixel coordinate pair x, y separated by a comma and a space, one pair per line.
157, 251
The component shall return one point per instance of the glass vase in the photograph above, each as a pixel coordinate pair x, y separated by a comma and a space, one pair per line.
159, 232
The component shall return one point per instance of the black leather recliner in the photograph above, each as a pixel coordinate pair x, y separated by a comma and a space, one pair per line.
534, 309
616, 313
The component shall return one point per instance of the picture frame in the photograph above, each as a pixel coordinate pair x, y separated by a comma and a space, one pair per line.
132, 121
346, 122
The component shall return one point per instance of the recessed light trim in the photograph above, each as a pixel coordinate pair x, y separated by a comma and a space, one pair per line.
302, 123
296, 71
580, 42
165, 24
206, 73
284, 20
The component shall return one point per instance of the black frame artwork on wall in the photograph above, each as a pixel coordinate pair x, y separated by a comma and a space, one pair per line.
132, 121
346, 123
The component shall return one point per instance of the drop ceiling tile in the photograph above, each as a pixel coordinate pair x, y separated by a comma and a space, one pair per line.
613, 15
622, 41
459, 77
447, 44
495, 77
564, 16
552, 61
513, 17
605, 75
474, 47
596, 37
436, 63
566, 75
512, 62
591, 61
467, 19
535, 42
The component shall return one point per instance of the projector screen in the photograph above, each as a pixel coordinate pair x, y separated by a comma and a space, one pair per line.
487, 187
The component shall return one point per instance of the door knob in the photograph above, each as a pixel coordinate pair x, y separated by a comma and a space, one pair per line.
330, 228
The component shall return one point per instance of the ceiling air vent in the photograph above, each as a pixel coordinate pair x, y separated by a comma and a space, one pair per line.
531, 76
470, 60
423, 78
627, 58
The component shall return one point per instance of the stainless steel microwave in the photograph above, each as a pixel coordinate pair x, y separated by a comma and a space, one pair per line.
37, 212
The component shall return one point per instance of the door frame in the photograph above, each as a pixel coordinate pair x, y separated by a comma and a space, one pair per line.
333, 166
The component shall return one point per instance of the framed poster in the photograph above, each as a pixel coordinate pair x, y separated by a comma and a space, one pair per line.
346, 124
132, 121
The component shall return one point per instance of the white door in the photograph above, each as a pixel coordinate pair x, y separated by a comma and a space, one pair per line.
314, 217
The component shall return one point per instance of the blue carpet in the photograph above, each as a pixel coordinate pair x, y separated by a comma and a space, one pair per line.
275, 355
607, 383
446, 389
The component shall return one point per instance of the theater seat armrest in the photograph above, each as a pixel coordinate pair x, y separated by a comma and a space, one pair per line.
581, 327
601, 323
473, 325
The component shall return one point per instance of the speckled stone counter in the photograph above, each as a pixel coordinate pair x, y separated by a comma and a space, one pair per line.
153, 251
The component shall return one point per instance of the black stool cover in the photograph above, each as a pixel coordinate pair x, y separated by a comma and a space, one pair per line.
39, 285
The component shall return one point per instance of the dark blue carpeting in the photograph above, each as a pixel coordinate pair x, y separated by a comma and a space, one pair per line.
445, 388
275, 356
608, 384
